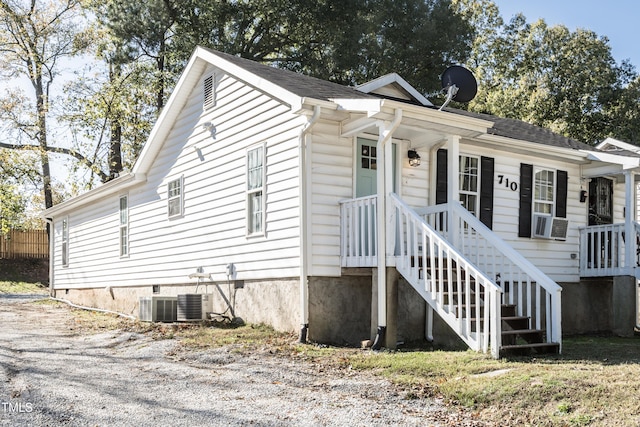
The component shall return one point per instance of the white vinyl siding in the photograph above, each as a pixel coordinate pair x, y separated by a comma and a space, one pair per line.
551, 256
255, 191
175, 197
214, 232
124, 226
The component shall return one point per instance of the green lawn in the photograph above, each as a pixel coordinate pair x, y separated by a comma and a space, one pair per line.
594, 382
14, 287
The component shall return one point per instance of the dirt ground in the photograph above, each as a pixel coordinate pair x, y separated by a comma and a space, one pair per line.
54, 375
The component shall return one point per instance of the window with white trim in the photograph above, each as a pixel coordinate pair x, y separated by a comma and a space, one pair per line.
544, 190
255, 190
469, 183
65, 242
124, 226
175, 197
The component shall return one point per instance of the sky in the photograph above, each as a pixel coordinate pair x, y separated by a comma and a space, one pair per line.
618, 20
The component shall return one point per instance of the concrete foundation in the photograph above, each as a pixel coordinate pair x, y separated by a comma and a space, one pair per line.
343, 310
276, 303
340, 309
599, 305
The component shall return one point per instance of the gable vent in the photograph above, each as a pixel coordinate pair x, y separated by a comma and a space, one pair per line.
209, 93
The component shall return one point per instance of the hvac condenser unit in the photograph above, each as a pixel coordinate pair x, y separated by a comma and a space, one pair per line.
194, 307
548, 227
157, 308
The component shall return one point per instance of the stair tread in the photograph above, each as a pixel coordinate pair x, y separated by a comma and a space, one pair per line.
522, 331
530, 345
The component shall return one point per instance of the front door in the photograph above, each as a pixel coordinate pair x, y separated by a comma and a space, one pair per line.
600, 201
600, 213
367, 167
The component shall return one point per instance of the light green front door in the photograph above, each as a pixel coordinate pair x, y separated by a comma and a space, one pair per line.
366, 167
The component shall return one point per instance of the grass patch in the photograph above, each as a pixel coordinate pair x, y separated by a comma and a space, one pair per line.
17, 287
593, 383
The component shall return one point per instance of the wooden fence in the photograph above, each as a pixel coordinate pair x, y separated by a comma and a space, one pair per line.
24, 244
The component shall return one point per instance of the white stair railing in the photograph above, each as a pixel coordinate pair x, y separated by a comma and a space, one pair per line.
534, 294
465, 297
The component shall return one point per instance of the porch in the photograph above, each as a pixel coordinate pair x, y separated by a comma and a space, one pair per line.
487, 293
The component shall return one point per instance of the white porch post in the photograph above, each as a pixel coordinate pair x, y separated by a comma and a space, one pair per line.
629, 209
453, 164
386, 130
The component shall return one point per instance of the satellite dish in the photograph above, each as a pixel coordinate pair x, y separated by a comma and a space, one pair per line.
460, 84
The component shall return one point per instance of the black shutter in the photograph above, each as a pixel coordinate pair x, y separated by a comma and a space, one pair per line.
486, 191
526, 198
561, 194
441, 177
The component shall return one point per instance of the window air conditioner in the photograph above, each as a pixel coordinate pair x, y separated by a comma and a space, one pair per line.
548, 227
158, 308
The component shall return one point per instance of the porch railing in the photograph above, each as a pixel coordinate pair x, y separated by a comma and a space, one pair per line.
358, 232
465, 297
604, 248
534, 294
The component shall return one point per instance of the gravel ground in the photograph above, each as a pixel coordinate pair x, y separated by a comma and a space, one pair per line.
50, 375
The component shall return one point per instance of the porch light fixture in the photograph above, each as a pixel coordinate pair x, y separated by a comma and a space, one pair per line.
414, 158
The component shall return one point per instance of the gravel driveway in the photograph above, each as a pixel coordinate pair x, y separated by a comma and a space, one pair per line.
51, 375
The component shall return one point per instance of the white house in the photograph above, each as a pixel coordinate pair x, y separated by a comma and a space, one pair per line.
357, 213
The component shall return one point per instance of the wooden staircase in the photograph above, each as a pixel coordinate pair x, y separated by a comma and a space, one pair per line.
519, 339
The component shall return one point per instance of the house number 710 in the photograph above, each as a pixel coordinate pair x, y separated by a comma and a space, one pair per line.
509, 184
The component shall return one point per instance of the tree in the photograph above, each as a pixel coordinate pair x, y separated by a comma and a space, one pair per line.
34, 38
549, 76
17, 172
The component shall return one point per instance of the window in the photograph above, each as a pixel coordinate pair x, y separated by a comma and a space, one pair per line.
369, 157
174, 197
124, 226
469, 183
255, 190
543, 191
65, 242
209, 92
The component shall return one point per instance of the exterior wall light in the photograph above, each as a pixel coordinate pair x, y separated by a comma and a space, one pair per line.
414, 158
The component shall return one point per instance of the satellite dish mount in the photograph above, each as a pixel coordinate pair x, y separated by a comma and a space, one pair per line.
460, 84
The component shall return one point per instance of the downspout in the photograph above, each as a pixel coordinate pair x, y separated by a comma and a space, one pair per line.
628, 222
303, 178
49, 222
382, 183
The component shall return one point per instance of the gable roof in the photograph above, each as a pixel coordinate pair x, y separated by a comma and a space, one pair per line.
299, 84
292, 88
310, 87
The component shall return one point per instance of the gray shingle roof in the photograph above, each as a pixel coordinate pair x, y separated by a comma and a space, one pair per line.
296, 83
517, 129
311, 87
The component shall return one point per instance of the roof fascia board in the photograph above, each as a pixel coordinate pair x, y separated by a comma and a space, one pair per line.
167, 116
388, 79
114, 186
624, 161
503, 143
384, 109
619, 144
